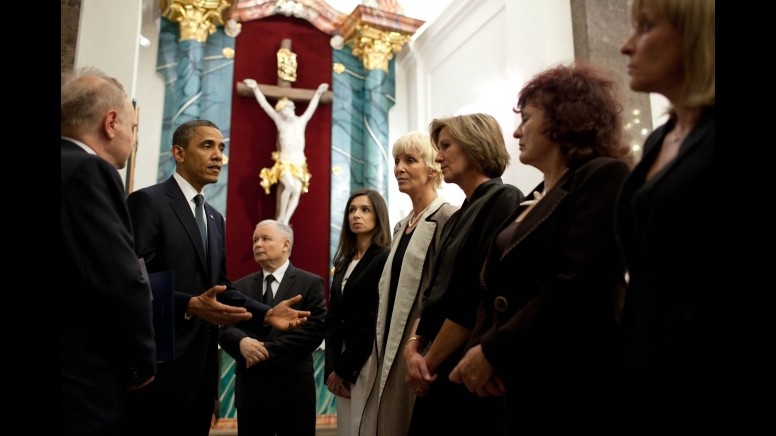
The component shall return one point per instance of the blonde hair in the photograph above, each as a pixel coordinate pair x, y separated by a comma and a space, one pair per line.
420, 143
695, 20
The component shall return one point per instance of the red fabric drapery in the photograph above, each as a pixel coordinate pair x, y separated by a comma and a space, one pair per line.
253, 136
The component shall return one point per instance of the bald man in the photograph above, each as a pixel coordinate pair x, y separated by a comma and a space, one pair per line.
107, 339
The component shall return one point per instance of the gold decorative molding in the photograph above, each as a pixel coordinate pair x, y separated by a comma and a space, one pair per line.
197, 18
375, 47
374, 35
287, 64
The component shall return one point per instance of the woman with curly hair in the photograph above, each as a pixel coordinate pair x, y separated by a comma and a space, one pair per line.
545, 332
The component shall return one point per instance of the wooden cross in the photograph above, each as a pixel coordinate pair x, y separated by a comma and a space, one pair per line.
283, 88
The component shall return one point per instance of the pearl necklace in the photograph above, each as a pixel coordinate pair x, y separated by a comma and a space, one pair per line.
414, 218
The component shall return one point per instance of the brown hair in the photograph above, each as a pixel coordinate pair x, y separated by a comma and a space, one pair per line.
582, 111
381, 235
480, 137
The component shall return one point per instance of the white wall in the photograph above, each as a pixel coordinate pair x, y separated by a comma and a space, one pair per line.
150, 100
475, 57
112, 45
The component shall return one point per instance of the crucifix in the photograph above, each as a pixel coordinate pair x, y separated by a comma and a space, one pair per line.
290, 168
283, 89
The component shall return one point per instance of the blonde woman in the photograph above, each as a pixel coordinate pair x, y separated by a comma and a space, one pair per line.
406, 274
665, 223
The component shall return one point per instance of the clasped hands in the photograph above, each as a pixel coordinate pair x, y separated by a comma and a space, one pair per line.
253, 351
473, 370
477, 374
337, 385
282, 316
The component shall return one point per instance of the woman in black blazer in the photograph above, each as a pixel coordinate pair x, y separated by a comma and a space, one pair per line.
666, 226
545, 332
472, 154
349, 330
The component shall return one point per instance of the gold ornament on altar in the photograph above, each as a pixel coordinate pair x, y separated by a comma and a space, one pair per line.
290, 170
270, 176
287, 65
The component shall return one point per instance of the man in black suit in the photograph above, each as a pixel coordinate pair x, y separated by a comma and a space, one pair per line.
107, 350
275, 390
167, 236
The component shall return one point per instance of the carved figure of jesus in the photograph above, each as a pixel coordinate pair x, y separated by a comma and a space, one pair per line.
290, 169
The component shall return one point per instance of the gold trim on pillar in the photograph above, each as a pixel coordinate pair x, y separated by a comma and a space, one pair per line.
374, 35
197, 18
375, 47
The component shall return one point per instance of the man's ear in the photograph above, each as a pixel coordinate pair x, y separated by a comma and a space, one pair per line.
177, 153
109, 123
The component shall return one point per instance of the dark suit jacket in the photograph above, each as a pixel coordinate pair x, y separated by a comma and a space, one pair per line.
167, 237
454, 294
547, 322
290, 351
454, 291
666, 229
352, 317
106, 330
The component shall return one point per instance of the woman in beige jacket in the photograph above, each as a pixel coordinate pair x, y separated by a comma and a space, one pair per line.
407, 272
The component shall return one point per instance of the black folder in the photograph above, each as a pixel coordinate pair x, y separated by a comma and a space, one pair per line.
163, 288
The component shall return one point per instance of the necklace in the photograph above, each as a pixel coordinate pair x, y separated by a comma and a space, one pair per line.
414, 218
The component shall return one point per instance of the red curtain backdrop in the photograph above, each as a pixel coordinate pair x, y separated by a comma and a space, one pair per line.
253, 136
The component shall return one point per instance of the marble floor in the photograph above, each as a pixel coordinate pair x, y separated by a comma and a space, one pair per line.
325, 426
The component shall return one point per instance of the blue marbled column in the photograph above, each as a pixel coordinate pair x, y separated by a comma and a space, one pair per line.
347, 139
197, 85
360, 156
215, 103
379, 98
